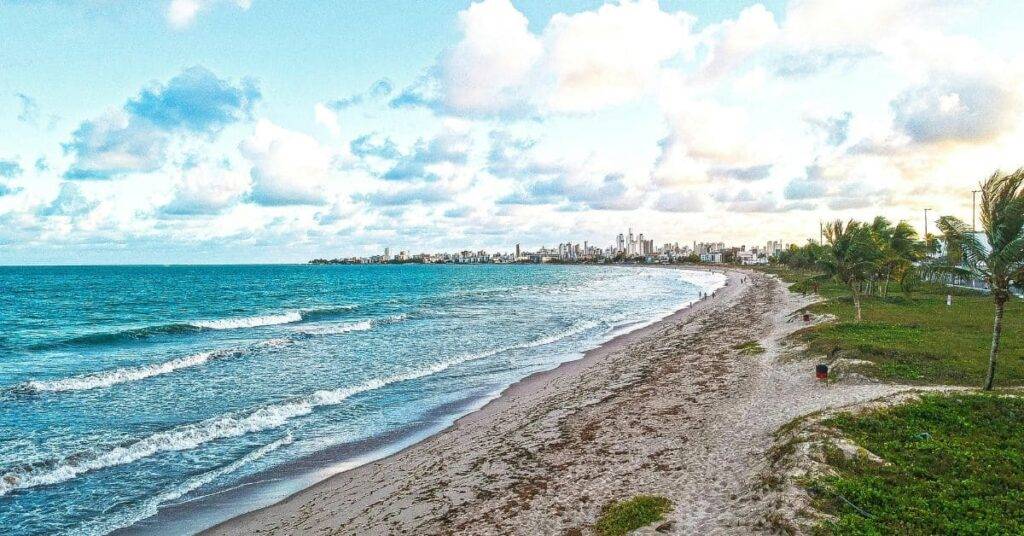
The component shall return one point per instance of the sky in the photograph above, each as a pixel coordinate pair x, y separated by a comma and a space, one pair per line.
244, 131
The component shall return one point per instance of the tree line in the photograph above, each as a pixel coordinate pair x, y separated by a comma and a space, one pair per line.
868, 257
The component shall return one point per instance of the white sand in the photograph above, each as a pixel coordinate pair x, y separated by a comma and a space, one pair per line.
672, 409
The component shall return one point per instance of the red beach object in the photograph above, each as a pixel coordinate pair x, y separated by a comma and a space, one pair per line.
807, 317
821, 372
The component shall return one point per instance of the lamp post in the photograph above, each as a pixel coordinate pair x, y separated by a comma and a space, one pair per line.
974, 203
926, 225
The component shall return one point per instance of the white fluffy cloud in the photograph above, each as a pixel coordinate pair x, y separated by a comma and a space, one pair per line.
182, 13
206, 189
581, 62
288, 167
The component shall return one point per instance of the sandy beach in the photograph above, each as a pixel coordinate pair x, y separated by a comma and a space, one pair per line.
672, 409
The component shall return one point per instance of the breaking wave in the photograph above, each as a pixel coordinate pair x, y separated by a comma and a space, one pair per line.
150, 506
98, 380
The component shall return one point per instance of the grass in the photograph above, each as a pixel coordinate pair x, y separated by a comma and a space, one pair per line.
622, 517
917, 338
956, 466
749, 348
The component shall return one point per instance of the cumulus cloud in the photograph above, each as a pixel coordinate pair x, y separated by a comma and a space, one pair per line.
609, 193
288, 167
182, 13
409, 195
8, 190
834, 129
733, 41
577, 64
9, 168
679, 201
195, 101
70, 202
747, 201
956, 108
448, 147
206, 189
135, 138
374, 144
747, 174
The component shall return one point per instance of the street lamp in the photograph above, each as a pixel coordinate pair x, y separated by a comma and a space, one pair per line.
926, 225
974, 202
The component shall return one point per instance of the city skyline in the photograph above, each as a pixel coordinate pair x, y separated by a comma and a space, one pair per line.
225, 131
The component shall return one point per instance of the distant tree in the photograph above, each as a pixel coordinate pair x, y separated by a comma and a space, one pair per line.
850, 257
896, 251
1001, 264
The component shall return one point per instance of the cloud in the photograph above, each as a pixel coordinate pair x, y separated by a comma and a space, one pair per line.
41, 164
115, 144
610, 193
577, 64
8, 190
69, 202
956, 108
288, 167
28, 111
678, 201
747, 174
195, 101
811, 186
206, 189
135, 139
424, 195
182, 13
450, 146
835, 129
327, 118
458, 212
379, 89
9, 168
746, 201
374, 145
732, 42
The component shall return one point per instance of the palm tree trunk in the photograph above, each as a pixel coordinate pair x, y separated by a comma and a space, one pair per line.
856, 299
885, 289
997, 330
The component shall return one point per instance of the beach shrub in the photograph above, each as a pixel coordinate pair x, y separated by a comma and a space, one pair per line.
954, 465
749, 348
622, 517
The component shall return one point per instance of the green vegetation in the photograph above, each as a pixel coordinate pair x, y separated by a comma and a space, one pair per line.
915, 338
999, 258
956, 466
622, 517
749, 348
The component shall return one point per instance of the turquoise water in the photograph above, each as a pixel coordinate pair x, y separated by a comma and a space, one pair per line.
129, 389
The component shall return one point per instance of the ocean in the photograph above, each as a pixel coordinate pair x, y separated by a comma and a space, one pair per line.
129, 391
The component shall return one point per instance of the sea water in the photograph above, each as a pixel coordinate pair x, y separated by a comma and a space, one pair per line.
127, 390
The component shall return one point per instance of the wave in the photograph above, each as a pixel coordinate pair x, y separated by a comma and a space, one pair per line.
150, 506
98, 380
338, 328
194, 326
190, 436
249, 321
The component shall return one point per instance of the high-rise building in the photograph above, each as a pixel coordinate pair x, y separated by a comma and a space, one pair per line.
387, 254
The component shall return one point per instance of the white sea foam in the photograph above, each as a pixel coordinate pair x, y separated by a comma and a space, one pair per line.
339, 328
98, 380
249, 321
575, 330
150, 506
190, 436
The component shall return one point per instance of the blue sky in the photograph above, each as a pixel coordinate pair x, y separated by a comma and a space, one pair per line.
257, 131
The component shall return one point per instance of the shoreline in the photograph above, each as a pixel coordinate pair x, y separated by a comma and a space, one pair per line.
491, 407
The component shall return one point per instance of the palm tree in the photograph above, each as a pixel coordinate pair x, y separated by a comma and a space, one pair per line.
1001, 263
849, 257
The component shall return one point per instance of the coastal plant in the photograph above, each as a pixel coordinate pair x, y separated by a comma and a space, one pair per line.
626, 516
850, 257
996, 254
